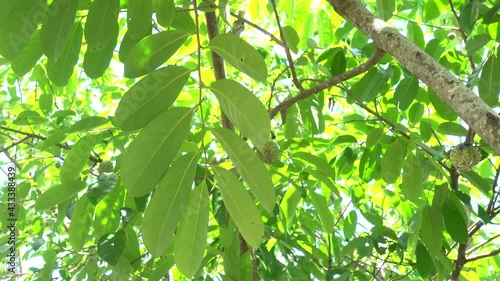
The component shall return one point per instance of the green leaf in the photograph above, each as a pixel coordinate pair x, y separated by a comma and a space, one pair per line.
492, 15
183, 21
370, 86
249, 165
241, 55
165, 12
392, 162
88, 123
406, 92
240, 206
152, 95
325, 29
168, 204
105, 184
489, 84
374, 136
478, 181
132, 251
102, 21
425, 130
451, 128
469, 16
425, 263
29, 117
126, 45
80, 223
350, 224
96, 61
430, 233
110, 246
58, 194
416, 112
45, 102
56, 29
319, 163
18, 24
152, 51
454, 222
441, 107
191, 237
415, 34
323, 212
244, 110
76, 158
147, 158
292, 38
431, 10
107, 216
476, 43
339, 63
54, 138
139, 14
60, 70
412, 185
385, 8
29, 57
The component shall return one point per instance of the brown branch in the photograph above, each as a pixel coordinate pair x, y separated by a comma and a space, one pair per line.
482, 256
371, 62
473, 249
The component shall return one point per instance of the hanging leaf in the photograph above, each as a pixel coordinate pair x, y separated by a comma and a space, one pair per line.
96, 61
105, 184
323, 212
292, 38
240, 207
183, 21
58, 194
191, 237
110, 246
249, 165
139, 14
413, 184
149, 155
150, 96
56, 29
29, 57
18, 24
425, 263
80, 223
168, 204
430, 233
29, 117
385, 8
350, 224
88, 123
60, 70
241, 55
489, 84
152, 51
392, 162
325, 29
102, 21
126, 45
406, 92
244, 110
454, 222
76, 158
369, 86
165, 12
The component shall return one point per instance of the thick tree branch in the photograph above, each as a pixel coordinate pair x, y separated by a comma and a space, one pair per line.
474, 111
374, 59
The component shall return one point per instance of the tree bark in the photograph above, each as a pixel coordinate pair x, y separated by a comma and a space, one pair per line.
472, 109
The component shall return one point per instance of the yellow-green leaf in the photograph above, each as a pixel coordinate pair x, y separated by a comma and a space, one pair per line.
57, 27
58, 194
392, 162
139, 14
102, 21
168, 204
80, 223
76, 158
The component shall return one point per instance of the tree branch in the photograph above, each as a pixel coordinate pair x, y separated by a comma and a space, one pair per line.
474, 111
482, 256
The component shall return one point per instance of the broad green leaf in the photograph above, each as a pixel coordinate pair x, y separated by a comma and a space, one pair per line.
454, 222
97, 61
392, 162
147, 158
191, 237
319, 163
46, 101
183, 21
478, 181
430, 233
292, 38
132, 251
374, 136
350, 224
60, 70
110, 246
425, 130
168, 204
58, 194
76, 158
489, 84
80, 223
492, 15
425, 263
139, 14
325, 29
126, 45
412, 185
102, 21
123, 269
241, 55
152, 51
451, 128
54, 138
165, 12
244, 110
431, 10
29, 57
442, 108
152, 95
369, 86
339, 64
344, 139
416, 112
56, 29
469, 16
240, 206
289, 204
249, 165
106, 218
476, 43
88, 123
29, 117
406, 91
323, 212
105, 184
18, 24
385, 8
415, 34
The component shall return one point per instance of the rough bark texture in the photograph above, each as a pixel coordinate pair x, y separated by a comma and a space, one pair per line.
474, 111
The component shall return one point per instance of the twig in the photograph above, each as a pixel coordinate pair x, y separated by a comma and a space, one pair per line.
482, 256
